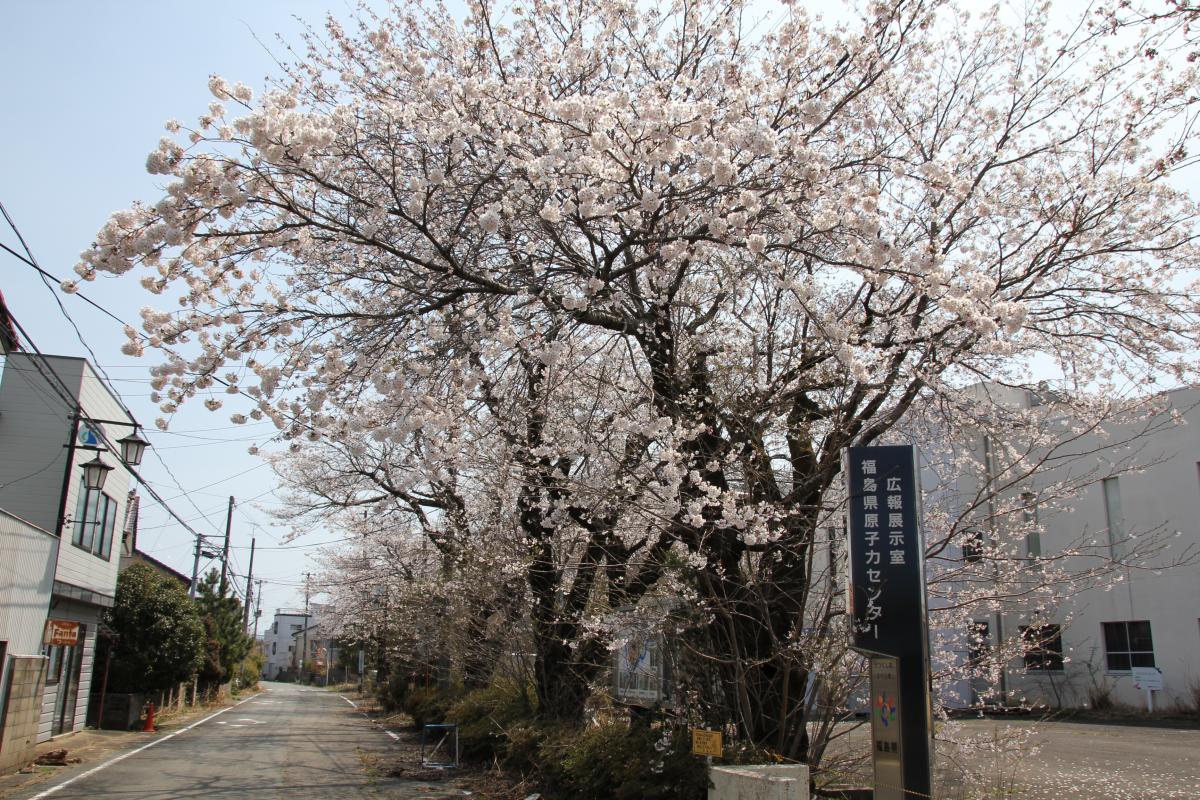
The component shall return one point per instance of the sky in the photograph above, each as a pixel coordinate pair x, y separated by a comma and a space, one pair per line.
86, 88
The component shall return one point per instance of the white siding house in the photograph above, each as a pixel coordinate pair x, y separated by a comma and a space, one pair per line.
41, 482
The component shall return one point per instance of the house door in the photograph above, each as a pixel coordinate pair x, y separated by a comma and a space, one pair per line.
68, 687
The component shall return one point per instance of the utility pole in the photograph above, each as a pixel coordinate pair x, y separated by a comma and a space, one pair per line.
304, 649
225, 551
249, 588
195, 568
257, 606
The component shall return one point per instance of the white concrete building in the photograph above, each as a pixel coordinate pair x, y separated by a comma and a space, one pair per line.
44, 445
277, 642
1145, 495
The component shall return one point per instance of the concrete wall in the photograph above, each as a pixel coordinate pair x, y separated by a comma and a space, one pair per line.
22, 700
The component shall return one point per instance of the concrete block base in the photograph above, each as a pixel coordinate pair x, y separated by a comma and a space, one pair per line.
759, 782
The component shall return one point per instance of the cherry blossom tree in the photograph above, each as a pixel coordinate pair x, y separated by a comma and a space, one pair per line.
625, 278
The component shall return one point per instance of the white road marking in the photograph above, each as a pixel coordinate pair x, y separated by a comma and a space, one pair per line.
124, 756
395, 736
251, 721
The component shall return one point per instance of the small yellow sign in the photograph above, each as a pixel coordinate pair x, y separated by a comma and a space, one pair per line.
706, 743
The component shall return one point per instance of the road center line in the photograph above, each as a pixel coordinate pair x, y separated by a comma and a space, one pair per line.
124, 756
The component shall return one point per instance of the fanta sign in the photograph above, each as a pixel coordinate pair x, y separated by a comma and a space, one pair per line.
61, 632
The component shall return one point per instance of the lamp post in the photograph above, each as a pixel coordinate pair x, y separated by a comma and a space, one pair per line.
95, 472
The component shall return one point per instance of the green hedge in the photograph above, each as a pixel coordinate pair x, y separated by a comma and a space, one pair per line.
622, 763
611, 761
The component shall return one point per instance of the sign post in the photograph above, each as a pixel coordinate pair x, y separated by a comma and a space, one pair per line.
1149, 680
889, 624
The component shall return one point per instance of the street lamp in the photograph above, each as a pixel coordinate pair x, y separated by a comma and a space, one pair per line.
95, 472
133, 447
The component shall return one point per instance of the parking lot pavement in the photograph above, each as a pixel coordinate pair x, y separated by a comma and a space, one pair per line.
1052, 760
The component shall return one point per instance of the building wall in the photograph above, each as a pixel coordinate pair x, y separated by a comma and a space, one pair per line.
75, 565
34, 425
88, 615
1162, 495
278, 638
26, 578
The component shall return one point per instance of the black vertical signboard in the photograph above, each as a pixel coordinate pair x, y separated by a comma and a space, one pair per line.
886, 595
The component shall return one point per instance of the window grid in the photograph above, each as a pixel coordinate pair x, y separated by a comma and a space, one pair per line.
95, 520
1043, 647
1128, 645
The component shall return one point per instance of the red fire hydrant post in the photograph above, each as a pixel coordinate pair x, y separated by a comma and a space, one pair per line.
149, 726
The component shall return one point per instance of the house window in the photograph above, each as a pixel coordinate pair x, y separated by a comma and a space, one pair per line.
1127, 645
1043, 647
273, 647
95, 520
1113, 516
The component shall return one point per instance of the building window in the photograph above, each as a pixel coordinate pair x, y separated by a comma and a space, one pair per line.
972, 548
1127, 645
273, 647
95, 520
979, 642
1043, 647
1113, 516
1029, 520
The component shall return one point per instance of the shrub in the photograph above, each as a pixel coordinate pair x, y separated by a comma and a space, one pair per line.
393, 693
485, 717
614, 761
429, 704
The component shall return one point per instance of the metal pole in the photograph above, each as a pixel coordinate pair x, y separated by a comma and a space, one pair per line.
225, 550
249, 588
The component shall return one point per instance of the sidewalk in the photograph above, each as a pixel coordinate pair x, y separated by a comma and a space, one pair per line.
93, 746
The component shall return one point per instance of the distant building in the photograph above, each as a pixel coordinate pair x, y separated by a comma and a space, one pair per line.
278, 646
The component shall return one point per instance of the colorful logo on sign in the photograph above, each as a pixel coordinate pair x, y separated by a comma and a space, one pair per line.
886, 708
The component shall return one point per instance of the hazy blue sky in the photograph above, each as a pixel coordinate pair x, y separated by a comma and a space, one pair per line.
86, 88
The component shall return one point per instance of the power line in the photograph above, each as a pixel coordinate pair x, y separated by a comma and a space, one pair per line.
59, 387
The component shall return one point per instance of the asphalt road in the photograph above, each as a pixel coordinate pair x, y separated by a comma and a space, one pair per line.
286, 742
